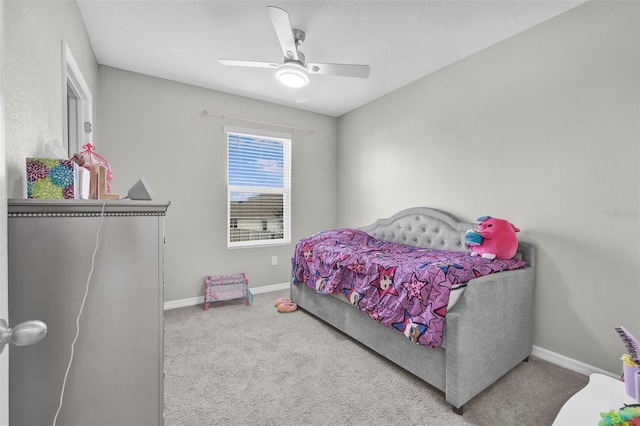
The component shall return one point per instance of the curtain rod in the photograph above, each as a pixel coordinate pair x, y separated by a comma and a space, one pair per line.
205, 112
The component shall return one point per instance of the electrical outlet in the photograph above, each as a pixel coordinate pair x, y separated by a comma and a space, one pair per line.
274, 260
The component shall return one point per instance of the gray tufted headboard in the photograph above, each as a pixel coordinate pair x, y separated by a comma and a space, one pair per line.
422, 227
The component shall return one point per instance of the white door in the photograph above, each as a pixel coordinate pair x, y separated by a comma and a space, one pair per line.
4, 307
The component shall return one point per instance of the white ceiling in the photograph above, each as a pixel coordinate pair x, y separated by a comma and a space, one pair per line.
402, 41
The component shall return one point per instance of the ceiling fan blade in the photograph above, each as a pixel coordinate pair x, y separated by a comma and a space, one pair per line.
344, 70
253, 64
282, 25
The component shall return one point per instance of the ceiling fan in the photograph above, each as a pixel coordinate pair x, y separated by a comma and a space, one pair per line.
294, 71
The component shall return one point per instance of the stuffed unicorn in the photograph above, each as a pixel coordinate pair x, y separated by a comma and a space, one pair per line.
493, 238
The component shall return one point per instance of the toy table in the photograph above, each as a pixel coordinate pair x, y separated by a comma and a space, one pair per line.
602, 394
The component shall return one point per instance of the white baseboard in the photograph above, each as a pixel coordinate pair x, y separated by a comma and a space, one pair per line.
544, 354
270, 288
192, 301
569, 363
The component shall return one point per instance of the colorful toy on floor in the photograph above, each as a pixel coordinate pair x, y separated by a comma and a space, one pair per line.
497, 238
218, 288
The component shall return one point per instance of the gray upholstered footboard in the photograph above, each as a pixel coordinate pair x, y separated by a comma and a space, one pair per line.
489, 330
487, 333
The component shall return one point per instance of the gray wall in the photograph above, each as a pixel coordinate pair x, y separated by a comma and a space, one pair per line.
154, 128
541, 129
33, 35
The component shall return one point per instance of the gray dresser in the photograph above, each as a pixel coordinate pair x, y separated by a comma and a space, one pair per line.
116, 377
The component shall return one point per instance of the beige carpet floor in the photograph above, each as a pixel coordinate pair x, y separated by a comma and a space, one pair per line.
241, 365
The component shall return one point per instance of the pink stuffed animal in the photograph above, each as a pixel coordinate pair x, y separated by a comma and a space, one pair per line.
498, 238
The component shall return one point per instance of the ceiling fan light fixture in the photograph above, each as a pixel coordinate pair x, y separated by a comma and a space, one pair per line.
292, 74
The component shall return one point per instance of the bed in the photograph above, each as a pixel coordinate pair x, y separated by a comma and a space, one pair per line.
486, 332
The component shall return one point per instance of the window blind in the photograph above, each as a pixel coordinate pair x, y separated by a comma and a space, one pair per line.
259, 189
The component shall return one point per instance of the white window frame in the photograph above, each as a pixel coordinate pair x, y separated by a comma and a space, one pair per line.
286, 191
77, 101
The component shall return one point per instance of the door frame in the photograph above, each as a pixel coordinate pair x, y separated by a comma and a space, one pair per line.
77, 104
4, 302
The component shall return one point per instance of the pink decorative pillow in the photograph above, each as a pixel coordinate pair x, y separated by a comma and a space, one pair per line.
498, 238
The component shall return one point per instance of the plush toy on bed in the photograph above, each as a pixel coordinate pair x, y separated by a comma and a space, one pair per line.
493, 238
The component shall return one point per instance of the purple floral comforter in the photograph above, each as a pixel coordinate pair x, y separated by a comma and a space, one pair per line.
400, 286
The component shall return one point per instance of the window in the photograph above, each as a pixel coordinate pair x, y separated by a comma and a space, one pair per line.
258, 188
